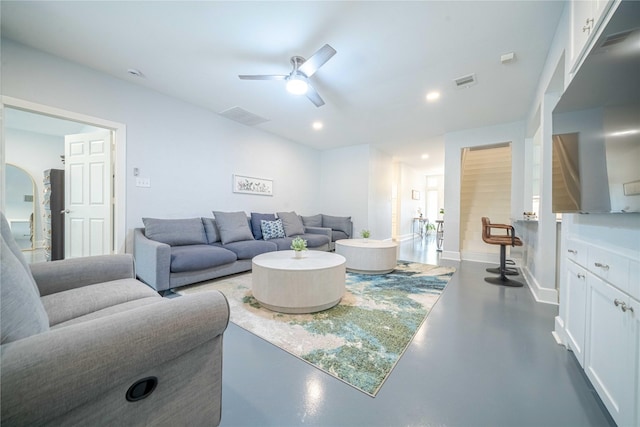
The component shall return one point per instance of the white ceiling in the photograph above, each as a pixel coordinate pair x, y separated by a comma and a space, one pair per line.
390, 54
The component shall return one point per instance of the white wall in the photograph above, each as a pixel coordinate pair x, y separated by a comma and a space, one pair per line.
454, 143
380, 181
344, 184
188, 153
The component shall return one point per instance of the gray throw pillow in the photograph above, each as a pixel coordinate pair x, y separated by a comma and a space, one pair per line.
312, 221
175, 232
233, 226
23, 314
340, 223
292, 223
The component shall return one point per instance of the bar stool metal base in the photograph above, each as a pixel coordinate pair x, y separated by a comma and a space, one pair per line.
503, 281
508, 271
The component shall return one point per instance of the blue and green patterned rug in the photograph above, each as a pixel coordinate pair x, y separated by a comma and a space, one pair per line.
360, 340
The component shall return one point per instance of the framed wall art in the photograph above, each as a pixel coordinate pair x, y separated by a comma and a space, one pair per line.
250, 185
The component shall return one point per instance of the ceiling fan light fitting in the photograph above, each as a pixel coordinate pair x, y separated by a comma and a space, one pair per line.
297, 85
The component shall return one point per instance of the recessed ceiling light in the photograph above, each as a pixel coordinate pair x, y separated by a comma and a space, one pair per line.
432, 96
317, 125
425, 156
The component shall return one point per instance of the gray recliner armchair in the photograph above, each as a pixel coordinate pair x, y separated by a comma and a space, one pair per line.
84, 343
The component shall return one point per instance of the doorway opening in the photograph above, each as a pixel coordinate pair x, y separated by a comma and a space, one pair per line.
34, 138
485, 190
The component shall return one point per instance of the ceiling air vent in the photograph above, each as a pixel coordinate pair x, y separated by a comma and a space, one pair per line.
243, 116
615, 38
466, 81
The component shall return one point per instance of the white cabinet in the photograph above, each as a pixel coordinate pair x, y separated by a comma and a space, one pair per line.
575, 322
600, 312
612, 349
586, 18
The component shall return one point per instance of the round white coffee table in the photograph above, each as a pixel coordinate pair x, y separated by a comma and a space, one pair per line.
281, 282
368, 256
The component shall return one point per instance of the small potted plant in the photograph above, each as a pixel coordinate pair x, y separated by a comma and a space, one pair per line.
365, 234
298, 245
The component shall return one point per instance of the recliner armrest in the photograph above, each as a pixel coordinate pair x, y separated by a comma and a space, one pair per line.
57, 276
49, 374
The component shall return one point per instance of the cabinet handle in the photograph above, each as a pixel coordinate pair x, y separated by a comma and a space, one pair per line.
617, 302
572, 251
602, 266
588, 27
625, 308
580, 276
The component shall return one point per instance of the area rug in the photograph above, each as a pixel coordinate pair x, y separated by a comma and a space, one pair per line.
360, 340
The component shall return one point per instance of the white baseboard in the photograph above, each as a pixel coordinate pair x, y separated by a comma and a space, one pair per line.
545, 295
451, 255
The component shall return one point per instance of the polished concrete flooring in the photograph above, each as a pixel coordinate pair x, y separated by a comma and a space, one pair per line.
484, 357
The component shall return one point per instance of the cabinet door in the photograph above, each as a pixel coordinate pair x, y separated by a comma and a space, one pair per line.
586, 18
576, 304
633, 317
609, 349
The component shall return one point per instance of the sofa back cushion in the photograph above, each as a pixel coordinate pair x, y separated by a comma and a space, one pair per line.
340, 223
175, 232
233, 226
211, 230
23, 314
256, 223
292, 223
312, 221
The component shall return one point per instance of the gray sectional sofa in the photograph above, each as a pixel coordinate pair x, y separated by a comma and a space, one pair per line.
170, 253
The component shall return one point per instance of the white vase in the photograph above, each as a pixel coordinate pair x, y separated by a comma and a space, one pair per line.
298, 254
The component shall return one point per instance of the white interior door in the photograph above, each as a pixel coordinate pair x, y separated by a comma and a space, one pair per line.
88, 194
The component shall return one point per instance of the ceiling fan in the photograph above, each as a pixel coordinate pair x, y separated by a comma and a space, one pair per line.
298, 79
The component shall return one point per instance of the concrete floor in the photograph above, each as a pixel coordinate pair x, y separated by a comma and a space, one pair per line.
484, 357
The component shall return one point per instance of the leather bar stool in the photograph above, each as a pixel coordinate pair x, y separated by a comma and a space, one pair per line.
507, 238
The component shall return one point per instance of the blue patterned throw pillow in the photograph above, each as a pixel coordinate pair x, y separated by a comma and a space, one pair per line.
272, 229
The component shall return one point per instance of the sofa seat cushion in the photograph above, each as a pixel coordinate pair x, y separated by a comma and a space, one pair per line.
250, 248
199, 257
67, 305
338, 235
315, 240
114, 309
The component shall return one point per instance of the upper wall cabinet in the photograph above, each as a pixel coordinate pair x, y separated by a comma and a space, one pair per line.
586, 18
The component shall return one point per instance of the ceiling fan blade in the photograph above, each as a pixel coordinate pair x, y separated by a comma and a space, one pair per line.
314, 97
317, 60
262, 77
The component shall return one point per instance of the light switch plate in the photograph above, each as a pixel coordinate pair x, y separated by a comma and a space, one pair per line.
143, 182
